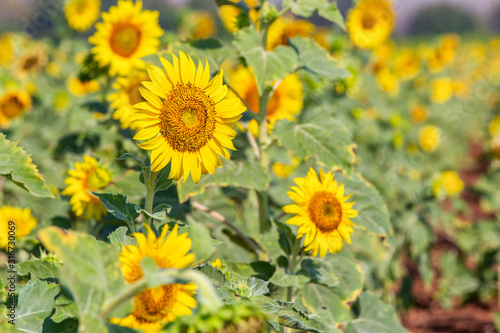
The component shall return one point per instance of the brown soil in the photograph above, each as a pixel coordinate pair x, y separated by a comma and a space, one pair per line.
428, 316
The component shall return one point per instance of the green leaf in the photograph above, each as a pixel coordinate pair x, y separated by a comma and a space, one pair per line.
327, 141
331, 304
267, 65
215, 276
117, 205
290, 316
35, 303
91, 270
119, 236
375, 316
65, 308
39, 269
315, 59
17, 165
131, 156
161, 215
325, 8
246, 174
162, 182
373, 215
283, 279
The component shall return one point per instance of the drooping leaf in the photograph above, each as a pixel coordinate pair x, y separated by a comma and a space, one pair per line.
117, 205
246, 174
131, 156
213, 274
375, 316
267, 65
315, 59
39, 269
325, 8
35, 303
373, 215
17, 165
290, 316
283, 279
327, 141
345, 277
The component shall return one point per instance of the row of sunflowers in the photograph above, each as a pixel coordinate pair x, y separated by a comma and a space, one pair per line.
205, 178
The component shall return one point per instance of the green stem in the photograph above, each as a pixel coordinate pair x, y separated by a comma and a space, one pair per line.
150, 194
291, 268
264, 160
207, 292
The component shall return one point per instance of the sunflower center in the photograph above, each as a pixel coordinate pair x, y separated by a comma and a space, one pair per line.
187, 118
155, 304
30, 63
368, 21
12, 107
325, 211
125, 39
98, 179
81, 6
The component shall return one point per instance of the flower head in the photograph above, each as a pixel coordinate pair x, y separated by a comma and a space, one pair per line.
126, 96
370, 23
429, 138
81, 88
156, 306
198, 25
186, 118
23, 221
285, 28
88, 176
81, 14
447, 184
442, 90
322, 213
12, 105
126, 34
32, 60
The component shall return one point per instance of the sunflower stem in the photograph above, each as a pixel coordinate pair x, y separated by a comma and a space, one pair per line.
264, 159
291, 268
150, 194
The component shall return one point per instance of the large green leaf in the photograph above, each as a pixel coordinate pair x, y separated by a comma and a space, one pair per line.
290, 316
345, 277
283, 279
17, 165
117, 205
267, 65
315, 59
91, 268
213, 274
375, 316
39, 269
327, 141
246, 174
373, 215
35, 303
325, 8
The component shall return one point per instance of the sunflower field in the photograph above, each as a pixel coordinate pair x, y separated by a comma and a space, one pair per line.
246, 166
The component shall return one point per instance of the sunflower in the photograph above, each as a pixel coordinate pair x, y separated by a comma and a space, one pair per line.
388, 81
23, 221
229, 14
285, 102
32, 61
429, 137
442, 90
322, 213
81, 14
126, 96
418, 113
81, 88
12, 105
88, 176
126, 34
156, 306
187, 118
285, 28
407, 64
448, 183
370, 23
198, 25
